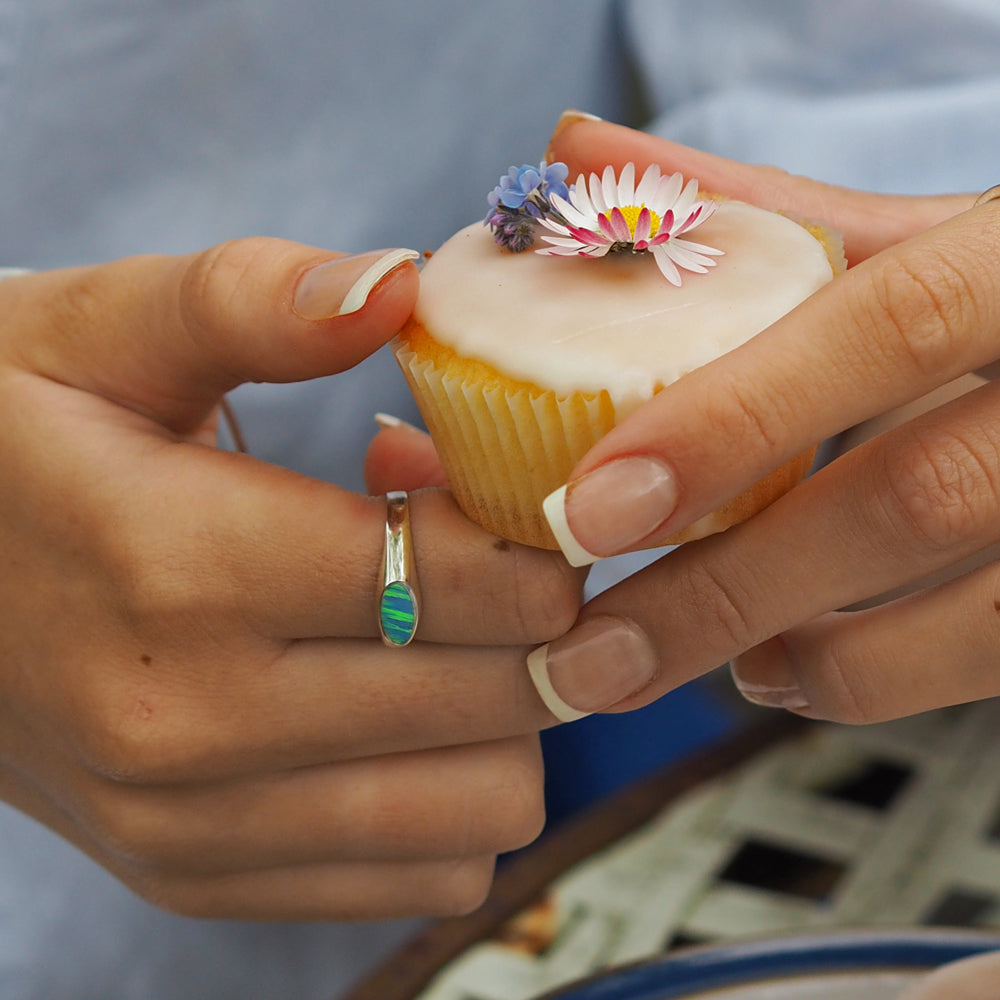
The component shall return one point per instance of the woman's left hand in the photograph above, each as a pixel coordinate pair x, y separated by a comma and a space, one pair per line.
919, 309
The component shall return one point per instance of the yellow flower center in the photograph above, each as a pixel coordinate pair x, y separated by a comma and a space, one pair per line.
632, 212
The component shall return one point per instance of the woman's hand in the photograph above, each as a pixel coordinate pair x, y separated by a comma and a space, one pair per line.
973, 978
919, 309
191, 687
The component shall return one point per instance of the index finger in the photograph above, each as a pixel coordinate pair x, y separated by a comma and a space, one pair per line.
869, 222
888, 331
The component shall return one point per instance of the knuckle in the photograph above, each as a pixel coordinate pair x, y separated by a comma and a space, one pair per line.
941, 488
850, 694
497, 806
211, 280
445, 889
519, 805
133, 735
206, 285
548, 597
85, 299
150, 570
179, 897
115, 750
748, 422
150, 587
462, 887
536, 593
130, 829
524, 594
82, 300
723, 603
166, 583
210, 275
919, 308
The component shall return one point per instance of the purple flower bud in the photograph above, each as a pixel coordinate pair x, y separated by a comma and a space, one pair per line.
514, 232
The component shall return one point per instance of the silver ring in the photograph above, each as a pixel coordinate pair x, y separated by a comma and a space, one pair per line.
989, 195
398, 600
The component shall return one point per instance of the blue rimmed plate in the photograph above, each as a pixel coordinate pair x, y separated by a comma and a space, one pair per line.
840, 965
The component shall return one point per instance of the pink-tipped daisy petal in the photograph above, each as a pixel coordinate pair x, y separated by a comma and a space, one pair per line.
593, 220
607, 229
573, 215
699, 216
643, 228
618, 225
686, 200
561, 244
588, 238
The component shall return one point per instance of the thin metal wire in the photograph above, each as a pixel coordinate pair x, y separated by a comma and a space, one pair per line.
233, 425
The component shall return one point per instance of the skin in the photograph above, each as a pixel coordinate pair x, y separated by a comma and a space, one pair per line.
973, 978
919, 308
191, 687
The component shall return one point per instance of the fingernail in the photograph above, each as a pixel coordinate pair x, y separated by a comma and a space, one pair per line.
611, 509
764, 677
593, 667
569, 117
388, 422
342, 286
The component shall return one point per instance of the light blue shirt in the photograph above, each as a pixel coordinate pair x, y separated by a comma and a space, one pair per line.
169, 125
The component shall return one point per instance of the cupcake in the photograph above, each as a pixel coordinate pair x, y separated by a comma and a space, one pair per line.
535, 333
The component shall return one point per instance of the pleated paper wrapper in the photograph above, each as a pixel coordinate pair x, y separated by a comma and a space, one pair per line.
505, 445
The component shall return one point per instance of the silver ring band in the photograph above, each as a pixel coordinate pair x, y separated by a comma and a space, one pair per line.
398, 600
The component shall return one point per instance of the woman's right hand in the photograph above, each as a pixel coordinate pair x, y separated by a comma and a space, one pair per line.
912, 510
192, 689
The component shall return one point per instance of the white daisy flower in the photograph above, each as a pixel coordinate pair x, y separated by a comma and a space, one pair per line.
611, 215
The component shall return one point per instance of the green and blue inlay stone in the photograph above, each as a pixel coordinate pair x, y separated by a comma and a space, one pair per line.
398, 613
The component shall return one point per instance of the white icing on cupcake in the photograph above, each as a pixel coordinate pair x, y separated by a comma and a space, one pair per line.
613, 323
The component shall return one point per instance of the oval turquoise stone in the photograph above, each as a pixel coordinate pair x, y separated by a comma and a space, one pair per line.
398, 613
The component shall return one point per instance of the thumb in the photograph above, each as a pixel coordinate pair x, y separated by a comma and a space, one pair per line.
168, 336
868, 222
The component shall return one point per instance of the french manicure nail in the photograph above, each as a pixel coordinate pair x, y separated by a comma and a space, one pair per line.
569, 117
763, 677
612, 508
387, 421
341, 286
772, 697
593, 667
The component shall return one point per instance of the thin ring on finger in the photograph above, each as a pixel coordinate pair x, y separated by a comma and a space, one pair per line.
398, 603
